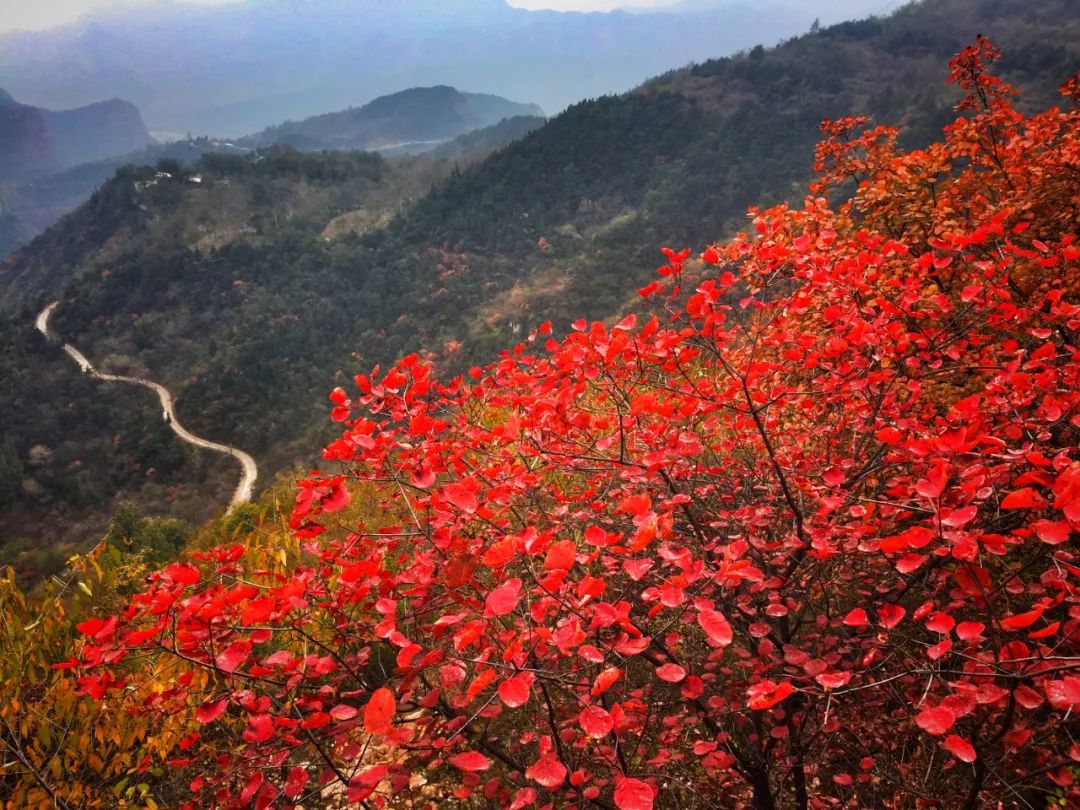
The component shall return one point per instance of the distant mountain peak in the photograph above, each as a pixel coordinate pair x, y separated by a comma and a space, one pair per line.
35, 141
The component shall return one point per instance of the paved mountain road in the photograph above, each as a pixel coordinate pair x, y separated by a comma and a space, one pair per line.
250, 469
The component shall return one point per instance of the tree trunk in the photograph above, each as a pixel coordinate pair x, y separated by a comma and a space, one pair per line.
763, 796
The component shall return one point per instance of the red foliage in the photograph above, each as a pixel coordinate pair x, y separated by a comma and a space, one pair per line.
801, 541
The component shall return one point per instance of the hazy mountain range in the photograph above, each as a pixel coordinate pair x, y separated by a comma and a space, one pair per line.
235, 69
36, 141
39, 184
421, 117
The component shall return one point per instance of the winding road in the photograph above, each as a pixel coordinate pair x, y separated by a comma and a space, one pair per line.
250, 469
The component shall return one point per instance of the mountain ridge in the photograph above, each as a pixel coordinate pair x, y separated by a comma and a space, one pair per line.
418, 114
28, 208
35, 141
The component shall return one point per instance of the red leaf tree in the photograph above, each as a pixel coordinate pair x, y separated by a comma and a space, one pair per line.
802, 538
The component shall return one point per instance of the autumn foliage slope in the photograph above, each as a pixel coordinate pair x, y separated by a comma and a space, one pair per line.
806, 538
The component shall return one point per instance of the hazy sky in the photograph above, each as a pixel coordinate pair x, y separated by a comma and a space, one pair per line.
587, 5
37, 14
34, 14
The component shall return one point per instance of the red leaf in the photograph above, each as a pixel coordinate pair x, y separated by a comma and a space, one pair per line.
260, 728
940, 623
515, 691
929, 489
960, 748
1023, 498
105, 630
651, 288
672, 596
547, 770
605, 680
1063, 694
294, 782
632, 794
833, 680
316, 720
421, 478
337, 499
595, 536
560, 556
253, 783
960, 517
1052, 532
968, 631
233, 656
766, 694
90, 627
499, 554
363, 784
461, 497
890, 615
379, 711
258, 610
136, 638
504, 599
209, 712
595, 721
183, 574
344, 712
716, 627
636, 504
1021, 620
909, 563
856, 618
1028, 697
935, 652
672, 673
935, 721
470, 761
1045, 632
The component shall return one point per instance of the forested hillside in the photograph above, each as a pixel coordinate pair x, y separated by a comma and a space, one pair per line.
72, 449
28, 208
249, 318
